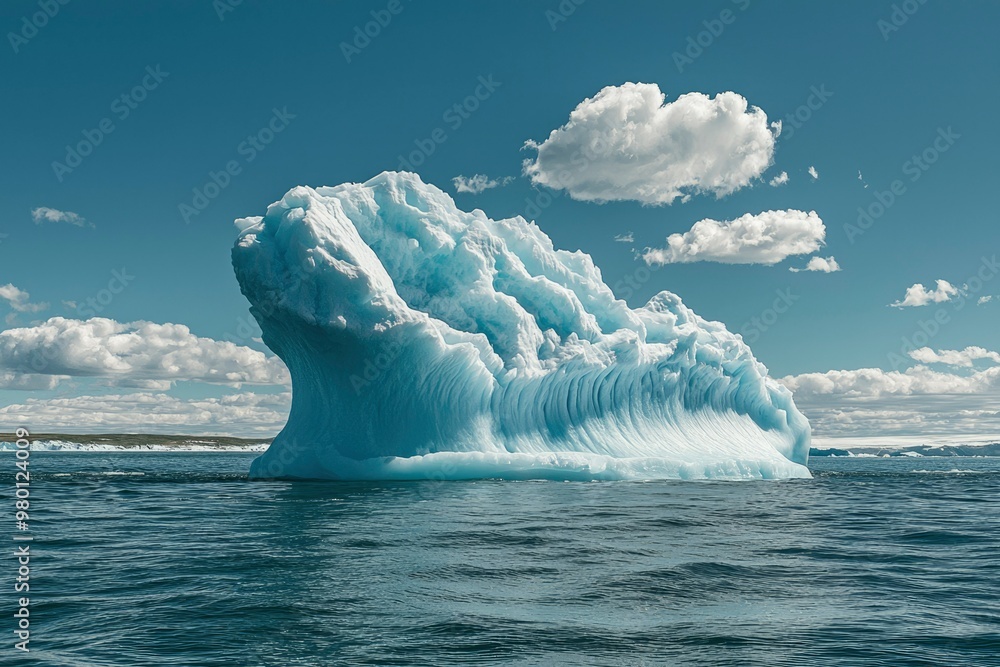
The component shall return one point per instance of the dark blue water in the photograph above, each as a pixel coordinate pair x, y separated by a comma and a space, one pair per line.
182, 561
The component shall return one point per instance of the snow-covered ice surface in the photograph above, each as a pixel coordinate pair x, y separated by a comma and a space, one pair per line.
428, 342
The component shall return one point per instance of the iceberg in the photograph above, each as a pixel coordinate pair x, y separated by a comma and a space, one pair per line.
427, 342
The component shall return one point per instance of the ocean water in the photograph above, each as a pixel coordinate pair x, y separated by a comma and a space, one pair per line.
175, 558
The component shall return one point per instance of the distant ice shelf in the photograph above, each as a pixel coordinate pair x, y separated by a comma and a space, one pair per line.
427, 342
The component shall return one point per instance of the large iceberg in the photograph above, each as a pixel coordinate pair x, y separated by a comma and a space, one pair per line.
426, 342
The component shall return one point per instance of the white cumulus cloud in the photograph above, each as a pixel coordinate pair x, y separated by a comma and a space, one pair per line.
478, 183
766, 238
984, 299
964, 358
237, 414
28, 381
875, 382
780, 179
915, 402
918, 295
824, 264
19, 300
814, 173
46, 214
137, 354
627, 143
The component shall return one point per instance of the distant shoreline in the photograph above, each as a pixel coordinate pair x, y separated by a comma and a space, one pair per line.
139, 442
162, 442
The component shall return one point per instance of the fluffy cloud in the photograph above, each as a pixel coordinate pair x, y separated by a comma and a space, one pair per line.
984, 299
766, 238
964, 358
243, 414
627, 143
918, 295
918, 401
19, 300
824, 264
478, 183
780, 179
45, 214
875, 383
137, 354
814, 173
625, 238
28, 381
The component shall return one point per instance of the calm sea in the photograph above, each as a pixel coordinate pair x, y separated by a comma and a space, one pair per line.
171, 558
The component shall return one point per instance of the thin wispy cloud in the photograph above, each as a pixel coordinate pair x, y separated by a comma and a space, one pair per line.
43, 214
19, 300
479, 183
963, 358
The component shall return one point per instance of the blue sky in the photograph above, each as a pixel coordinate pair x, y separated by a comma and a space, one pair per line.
212, 75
